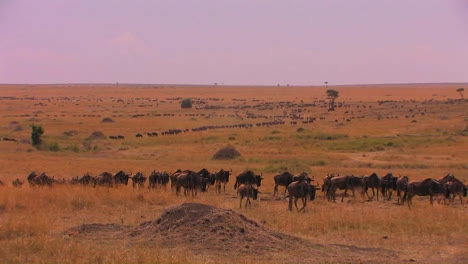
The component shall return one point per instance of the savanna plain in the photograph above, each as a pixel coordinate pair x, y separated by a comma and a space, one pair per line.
417, 130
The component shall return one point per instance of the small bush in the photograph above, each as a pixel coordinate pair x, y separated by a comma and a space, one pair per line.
186, 103
36, 134
53, 146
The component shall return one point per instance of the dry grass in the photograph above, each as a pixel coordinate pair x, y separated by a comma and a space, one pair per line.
32, 220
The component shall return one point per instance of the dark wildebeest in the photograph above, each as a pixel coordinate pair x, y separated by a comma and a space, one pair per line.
284, 179
191, 182
248, 177
249, 191
83, 180
1, 183
173, 179
138, 179
302, 176
326, 183
343, 183
428, 187
402, 187
210, 178
222, 177
153, 179
388, 185
158, 178
447, 178
17, 183
104, 179
300, 190
40, 180
454, 188
373, 182
121, 178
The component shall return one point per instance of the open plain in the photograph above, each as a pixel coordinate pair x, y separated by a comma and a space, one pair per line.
416, 130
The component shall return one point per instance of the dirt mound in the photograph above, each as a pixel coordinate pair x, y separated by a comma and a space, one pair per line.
226, 153
107, 120
204, 230
96, 135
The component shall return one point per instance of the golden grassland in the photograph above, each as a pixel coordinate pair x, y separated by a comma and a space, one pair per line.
430, 142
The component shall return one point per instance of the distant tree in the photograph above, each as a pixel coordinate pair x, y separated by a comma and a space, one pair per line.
326, 84
186, 103
461, 91
36, 134
332, 95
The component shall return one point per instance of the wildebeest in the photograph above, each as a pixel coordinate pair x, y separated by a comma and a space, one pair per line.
191, 182
104, 179
453, 188
139, 180
389, 184
158, 178
221, 178
210, 178
428, 187
248, 177
35, 179
402, 187
447, 178
249, 191
300, 190
373, 182
1, 183
302, 176
326, 183
121, 177
83, 180
283, 179
343, 183
173, 178
16, 183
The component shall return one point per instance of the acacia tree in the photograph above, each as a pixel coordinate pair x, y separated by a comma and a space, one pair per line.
36, 134
460, 91
332, 95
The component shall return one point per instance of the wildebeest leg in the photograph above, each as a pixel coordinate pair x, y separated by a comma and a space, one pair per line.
240, 204
290, 203
224, 184
295, 203
285, 190
247, 202
432, 199
304, 203
345, 192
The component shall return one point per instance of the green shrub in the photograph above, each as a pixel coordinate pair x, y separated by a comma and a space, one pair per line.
36, 134
186, 103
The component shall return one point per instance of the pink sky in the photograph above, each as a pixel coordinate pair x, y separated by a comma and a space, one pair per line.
233, 42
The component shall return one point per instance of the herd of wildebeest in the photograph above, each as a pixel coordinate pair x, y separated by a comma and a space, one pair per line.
247, 184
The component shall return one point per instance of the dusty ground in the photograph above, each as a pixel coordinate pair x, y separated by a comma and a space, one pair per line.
414, 130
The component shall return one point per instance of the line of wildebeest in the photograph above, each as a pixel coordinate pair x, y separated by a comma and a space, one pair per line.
297, 187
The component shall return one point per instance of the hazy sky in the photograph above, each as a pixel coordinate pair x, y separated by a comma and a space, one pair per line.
233, 42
